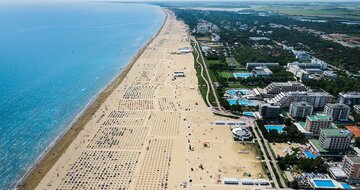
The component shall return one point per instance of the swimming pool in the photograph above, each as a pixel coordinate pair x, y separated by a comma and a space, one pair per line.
242, 75
278, 128
232, 101
249, 114
346, 186
243, 91
232, 92
323, 183
245, 102
309, 154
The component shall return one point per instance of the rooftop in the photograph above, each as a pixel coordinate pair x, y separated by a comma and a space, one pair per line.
316, 144
319, 117
350, 94
337, 105
354, 159
301, 104
336, 132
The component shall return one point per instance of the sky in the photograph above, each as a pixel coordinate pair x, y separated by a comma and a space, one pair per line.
75, 1
48, 1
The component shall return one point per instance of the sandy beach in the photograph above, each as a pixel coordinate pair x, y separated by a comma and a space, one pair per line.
148, 130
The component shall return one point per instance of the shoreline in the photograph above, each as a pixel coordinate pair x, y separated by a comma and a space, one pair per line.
55, 150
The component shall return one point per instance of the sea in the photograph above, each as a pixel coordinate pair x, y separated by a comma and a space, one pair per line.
54, 59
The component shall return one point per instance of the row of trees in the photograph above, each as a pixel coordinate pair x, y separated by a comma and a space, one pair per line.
328, 51
304, 164
290, 133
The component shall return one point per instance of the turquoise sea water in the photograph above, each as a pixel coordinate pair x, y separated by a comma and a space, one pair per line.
54, 58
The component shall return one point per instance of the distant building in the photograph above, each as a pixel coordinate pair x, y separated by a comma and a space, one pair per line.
357, 109
262, 71
277, 87
301, 55
330, 74
317, 99
302, 74
338, 112
269, 110
253, 65
313, 65
323, 64
350, 98
315, 123
301, 109
259, 38
332, 142
351, 166
288, 48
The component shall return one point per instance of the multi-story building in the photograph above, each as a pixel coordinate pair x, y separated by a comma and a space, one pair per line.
350, 98
312, 65
351, 167
301, 55
301, 109
291, 86
357, 109
315, 123
335, 139
338, 112
317, 99
269, 110
262, 71
332, 142
253, 65
302, 74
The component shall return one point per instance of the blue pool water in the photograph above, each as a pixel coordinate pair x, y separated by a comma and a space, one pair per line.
242, 75
245, 102
54, 58
232, 92
309, 154
232, 102
278, 128
249, 114
346, 186
324, 183
244, 91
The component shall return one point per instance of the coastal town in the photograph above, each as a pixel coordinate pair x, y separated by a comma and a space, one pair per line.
307, 137
221, 100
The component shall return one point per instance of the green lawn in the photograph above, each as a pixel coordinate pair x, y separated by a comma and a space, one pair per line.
226, 74
211, 62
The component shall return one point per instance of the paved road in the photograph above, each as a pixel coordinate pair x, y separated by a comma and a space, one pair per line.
272, 174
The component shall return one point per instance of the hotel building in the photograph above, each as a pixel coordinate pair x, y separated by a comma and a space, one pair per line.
338, 112
350, 98
277, 87
301, 109
315, 123
316, 99
351, 167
